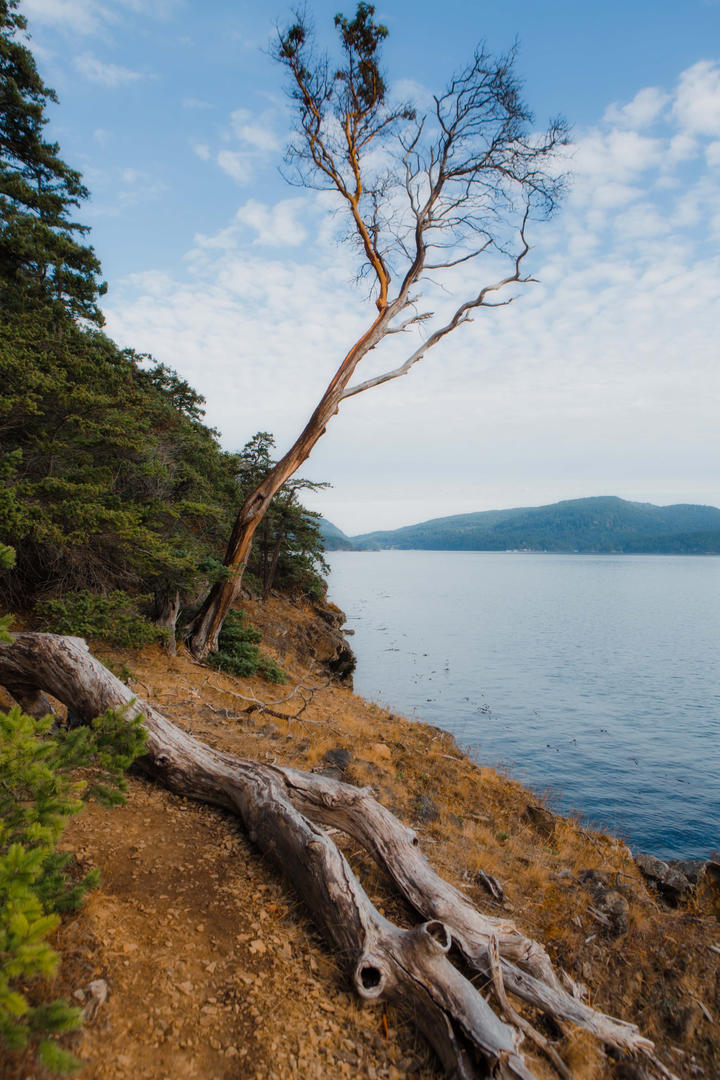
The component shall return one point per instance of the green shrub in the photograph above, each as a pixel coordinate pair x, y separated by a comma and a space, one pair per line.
39, 791
7, 561
239, 654
114, 617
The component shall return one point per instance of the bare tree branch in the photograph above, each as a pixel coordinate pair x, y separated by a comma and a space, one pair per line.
409, 322
460, 316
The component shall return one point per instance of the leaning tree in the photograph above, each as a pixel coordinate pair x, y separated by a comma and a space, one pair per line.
424, 194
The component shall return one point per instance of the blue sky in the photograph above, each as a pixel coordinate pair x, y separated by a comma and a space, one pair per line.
603, 379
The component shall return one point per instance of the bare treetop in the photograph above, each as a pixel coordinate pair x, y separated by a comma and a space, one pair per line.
425, 192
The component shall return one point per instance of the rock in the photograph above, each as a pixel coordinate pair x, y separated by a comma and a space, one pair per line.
332, 773
540, 818
343, 663
382, 751
615, 908
610, 908
672, 884
491, 885
711, 872
337, 758
691, 868
98, 994
708, 888
324, 640
594, 879
426, 808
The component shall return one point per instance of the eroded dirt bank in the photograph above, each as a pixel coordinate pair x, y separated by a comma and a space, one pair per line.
214, 971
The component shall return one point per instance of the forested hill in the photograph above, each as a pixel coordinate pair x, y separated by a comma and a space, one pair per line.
333, 538
602, 524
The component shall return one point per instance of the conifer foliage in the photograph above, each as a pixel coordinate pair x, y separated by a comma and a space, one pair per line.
42, 256
38, 793
110, 481
288, 552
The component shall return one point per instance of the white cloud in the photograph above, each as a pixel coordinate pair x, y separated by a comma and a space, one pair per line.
110, 75
123, 188
275, 226
611, 195
89, 16
414, 92
642, 111
249, 140
642, 222
257, 134
139, 186
236, 164
712, 154
681, 147
81, 16
615, 156
697, 105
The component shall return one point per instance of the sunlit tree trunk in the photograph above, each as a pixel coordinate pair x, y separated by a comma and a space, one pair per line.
206, 626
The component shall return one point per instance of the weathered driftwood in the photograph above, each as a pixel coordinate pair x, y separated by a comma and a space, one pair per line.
526, 967
281, 810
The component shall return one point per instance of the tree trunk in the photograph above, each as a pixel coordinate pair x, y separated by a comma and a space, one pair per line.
272, 568
205, 628
168, 609
278, 807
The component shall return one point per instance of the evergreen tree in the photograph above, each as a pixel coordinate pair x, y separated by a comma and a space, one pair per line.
42, 258
108, 480
288, 550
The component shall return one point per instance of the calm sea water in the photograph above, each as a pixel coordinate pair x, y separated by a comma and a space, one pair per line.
594, 676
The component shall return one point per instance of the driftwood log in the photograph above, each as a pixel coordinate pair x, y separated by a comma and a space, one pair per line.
283, 811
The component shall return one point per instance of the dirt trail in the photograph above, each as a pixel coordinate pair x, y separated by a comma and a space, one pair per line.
214, 971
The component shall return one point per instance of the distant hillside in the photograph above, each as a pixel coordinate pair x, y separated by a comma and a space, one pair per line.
334, 539
602, 524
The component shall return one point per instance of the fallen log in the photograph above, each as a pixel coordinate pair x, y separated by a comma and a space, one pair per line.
282, 810
526, 967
